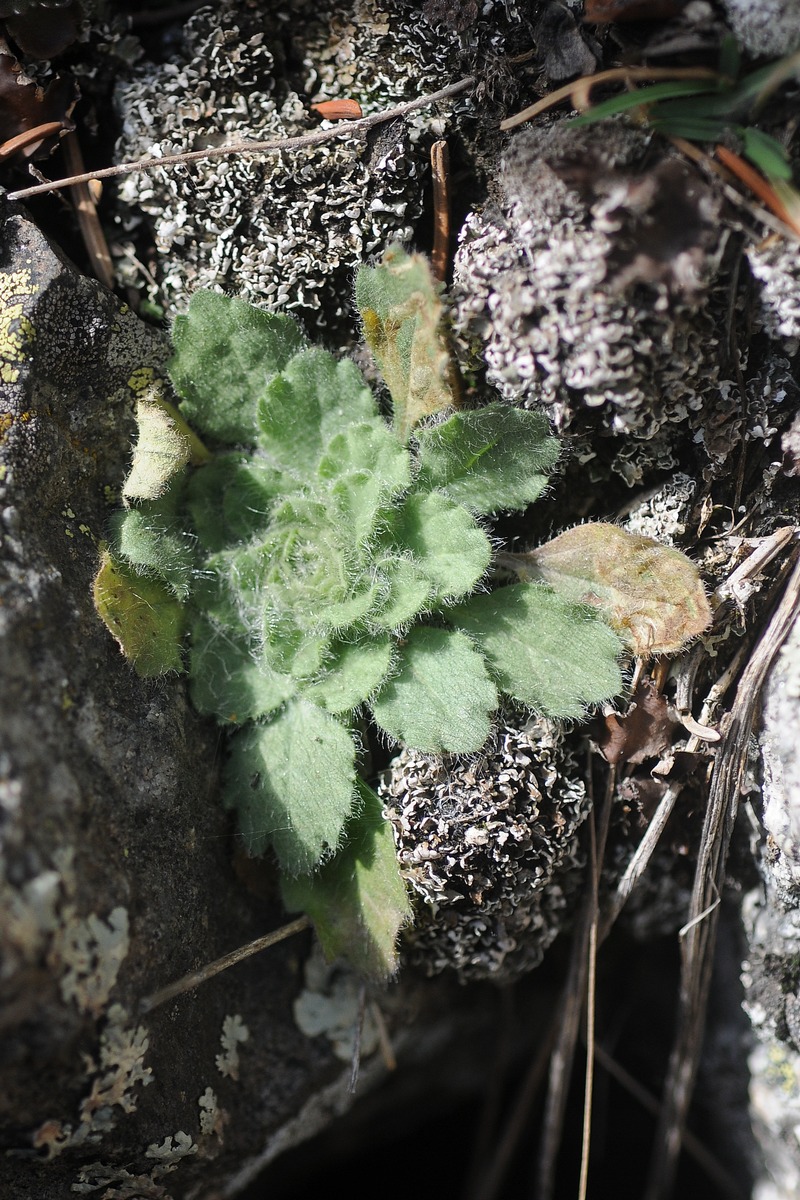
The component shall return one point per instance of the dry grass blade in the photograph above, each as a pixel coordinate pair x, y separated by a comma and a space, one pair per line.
195, 978
729, 1187
86, 211
440, 171
574, 995
758, 185
579, 91
697, 945
591, 991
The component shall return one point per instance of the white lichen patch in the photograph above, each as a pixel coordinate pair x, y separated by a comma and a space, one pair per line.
565, 315
114, 1080
284, 230
234, 1034
117, 1183
213, 1119
171, 1151
90, 952
329, 1005
776, 265
490, 850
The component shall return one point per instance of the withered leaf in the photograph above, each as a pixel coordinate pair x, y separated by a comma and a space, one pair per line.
644, 731
652, 595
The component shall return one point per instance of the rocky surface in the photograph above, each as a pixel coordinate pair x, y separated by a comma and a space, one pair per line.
596, 276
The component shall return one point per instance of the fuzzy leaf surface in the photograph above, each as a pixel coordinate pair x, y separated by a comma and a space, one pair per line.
400, 305
440, 697
230, 499
292, 782
450, 548
316, 397
403, 592
164, 446
352, 674
652, 595
142, 614
228, 680
489, 459
554, 655
151, 539
226, 351
357, 901
368, 446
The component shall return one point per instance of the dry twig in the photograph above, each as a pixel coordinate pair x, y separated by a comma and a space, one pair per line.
305, 141
195, 978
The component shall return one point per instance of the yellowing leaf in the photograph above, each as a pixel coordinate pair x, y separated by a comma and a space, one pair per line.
165, 445
142, 614
652, 595
401, 308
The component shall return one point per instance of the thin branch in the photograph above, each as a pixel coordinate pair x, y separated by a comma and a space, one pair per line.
195, 978
305, 141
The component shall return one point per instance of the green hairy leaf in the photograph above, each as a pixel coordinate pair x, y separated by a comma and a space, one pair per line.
325, 573
226, 351
440, 697
450, 549
292, 781
358, 901
556, 656
496, 457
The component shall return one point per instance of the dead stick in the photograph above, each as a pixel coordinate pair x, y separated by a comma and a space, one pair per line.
305, 141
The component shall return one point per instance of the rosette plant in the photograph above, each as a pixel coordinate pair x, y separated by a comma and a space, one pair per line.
323, 575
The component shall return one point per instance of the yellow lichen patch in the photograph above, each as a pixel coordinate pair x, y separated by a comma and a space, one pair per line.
8, 420
16, 329
141, 379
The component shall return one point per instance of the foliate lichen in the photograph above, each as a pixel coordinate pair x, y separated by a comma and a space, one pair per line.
114, 1080
586, 289
234, 1034
776, 266
766, 28
91, 952
329, 1004
490, 850
290, 229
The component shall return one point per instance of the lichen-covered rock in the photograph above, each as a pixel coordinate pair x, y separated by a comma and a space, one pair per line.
489, 849
115, 867
764, 28
285, 230
588, 289
776, 266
